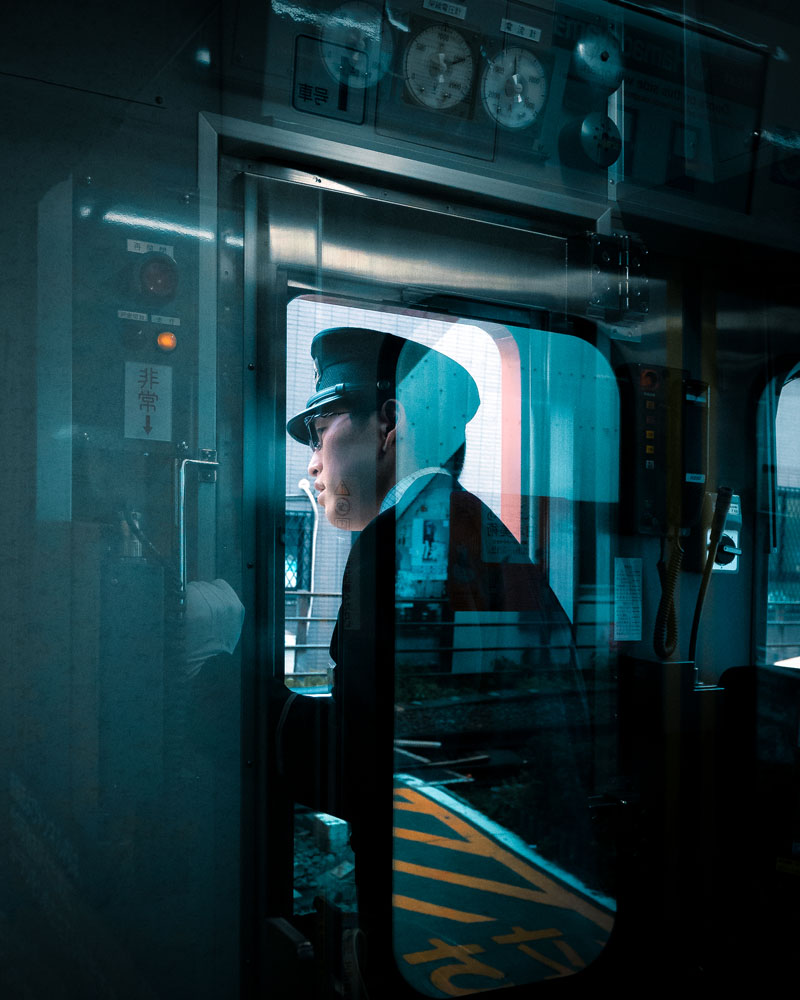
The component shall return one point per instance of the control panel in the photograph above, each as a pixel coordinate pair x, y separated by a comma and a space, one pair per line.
575, 99
134, 354
665, 449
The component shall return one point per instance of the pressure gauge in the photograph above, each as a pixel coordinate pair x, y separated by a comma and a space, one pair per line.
514, 88
438, 67
355, 49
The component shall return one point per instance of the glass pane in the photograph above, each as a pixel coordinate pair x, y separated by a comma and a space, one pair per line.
451, 635
493, 853
123, 752
783, 614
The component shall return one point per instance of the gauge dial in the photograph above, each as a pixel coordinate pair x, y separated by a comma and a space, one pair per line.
438, 67
514, 88
355, 48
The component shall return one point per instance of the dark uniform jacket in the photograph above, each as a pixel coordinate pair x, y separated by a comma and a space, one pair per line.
438, 598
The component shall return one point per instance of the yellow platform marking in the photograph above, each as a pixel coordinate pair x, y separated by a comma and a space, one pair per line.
471, 841
470, 881
520, 934
561, 970
432, 910
570, 954
464, 965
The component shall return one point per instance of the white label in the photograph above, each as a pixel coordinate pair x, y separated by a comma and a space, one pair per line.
695, 477
443, 7
127, 314
142, 246
520, 30
148, 401
627, 600
165, 320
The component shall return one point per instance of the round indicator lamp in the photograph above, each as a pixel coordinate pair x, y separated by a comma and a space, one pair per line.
600, 139
158, 276
167, 340
597, 60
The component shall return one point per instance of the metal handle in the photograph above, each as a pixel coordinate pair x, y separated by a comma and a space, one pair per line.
208, 463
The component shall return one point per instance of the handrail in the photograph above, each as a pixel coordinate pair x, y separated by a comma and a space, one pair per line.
312, 593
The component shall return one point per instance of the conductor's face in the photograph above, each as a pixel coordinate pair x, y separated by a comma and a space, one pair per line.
352, 464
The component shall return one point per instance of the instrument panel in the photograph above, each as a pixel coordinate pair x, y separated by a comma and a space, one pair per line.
572, 100
481, 80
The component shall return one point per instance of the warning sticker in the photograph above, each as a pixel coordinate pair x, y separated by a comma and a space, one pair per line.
148, 401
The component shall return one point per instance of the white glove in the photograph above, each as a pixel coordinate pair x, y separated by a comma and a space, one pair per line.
214, 617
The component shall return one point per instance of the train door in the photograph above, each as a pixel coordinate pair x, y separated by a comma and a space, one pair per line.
491, 727
123, 761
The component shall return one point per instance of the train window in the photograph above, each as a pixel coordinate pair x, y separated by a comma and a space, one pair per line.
492, 745
311, 609
500, 544
299, 549
574, 448
783, 612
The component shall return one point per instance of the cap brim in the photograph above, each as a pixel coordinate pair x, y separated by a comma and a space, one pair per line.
322, 402
296, 427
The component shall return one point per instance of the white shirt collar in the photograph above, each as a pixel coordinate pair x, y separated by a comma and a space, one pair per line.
397, 492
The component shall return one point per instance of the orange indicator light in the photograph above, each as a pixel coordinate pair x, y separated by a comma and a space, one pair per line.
167, 340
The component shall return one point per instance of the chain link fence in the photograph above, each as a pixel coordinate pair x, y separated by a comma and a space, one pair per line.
299, 532
783, 613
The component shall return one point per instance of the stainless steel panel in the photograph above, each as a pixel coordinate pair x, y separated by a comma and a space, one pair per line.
325, 235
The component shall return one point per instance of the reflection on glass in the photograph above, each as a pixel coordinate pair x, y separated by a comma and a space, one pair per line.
451, 633
493, 854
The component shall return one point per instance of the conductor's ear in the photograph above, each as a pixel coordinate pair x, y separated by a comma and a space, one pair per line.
390, 416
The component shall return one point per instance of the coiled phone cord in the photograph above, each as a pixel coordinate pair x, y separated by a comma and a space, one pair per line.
721, 508
665, 632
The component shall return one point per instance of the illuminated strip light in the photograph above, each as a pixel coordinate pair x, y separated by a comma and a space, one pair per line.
783, 137
301, 14
298, 13
793, 661
160, 225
